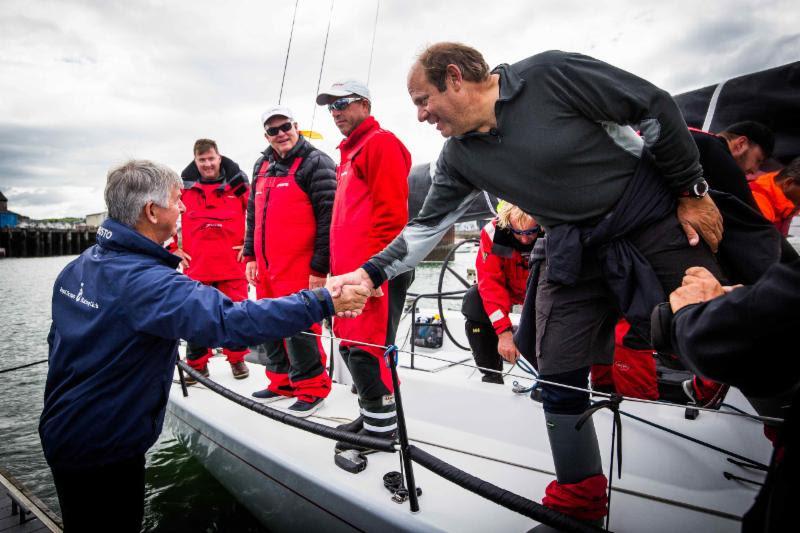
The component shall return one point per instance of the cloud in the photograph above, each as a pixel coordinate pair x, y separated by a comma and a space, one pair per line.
88, 84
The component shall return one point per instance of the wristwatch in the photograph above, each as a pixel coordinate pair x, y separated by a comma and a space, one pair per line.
696, 190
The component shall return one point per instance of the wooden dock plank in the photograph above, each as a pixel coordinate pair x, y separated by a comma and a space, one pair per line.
40, 519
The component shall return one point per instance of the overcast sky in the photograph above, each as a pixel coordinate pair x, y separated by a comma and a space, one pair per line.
86, 85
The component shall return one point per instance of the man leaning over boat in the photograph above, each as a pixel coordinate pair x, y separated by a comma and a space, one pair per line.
118, 312
552, 135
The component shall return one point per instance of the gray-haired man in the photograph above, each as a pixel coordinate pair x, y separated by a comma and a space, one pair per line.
118, 312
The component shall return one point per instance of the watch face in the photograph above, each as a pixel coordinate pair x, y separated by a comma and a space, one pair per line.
700, 188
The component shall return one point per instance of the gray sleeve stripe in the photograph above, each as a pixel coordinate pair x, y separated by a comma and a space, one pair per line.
417, 240
625, 136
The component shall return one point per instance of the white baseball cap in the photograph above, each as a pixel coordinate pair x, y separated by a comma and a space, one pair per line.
343, 88
276, 111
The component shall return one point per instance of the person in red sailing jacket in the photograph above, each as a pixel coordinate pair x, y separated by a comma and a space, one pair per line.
503, 268
371, 208
287, 250
212, 229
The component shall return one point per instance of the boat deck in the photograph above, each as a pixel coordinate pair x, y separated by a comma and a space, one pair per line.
21, 511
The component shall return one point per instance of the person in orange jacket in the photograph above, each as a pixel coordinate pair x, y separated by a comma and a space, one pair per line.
778, 195
369, 211
503, 267
212, 233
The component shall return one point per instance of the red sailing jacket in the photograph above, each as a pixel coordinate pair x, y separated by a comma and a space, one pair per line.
371, 205
211, 226
502, 277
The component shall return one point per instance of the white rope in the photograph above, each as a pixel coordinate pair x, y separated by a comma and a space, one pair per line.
555, 384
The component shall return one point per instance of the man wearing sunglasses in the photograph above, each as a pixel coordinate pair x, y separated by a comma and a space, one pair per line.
371, 209
503, 266
287, 250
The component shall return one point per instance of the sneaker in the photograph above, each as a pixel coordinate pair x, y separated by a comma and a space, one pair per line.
688, 390
303, 409
267, 396
190, 380
353, 427
342, 446
240, 370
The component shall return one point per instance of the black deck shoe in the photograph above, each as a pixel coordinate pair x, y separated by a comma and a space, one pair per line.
190, 380
267, 396
493, 378
354, 426
303, 409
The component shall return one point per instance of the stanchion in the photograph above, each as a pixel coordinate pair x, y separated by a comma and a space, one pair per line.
391, 360
182, 378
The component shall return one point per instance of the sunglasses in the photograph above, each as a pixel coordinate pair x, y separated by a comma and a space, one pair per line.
525, 232
273, 131
342, 103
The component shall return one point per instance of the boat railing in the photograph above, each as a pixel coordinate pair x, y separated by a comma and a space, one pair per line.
502, 497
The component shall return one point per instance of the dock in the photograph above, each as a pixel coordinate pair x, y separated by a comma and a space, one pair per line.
45, 242
21, 511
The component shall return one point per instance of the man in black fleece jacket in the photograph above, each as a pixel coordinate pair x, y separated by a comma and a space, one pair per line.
287, 250
552, 134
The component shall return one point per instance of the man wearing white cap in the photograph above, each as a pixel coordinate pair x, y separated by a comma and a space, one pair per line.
287, 249
370, 210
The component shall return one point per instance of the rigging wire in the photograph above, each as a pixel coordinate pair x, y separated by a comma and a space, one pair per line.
555, 384
322, 64
372, 47
288, 49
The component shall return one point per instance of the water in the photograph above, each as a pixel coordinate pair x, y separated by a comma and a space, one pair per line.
180, 494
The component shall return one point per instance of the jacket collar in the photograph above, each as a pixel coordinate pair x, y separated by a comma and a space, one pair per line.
114, 235
357, 134
273, 156
511, 84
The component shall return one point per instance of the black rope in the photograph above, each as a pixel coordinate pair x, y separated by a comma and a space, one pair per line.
733, 477
23, 366
288, 48
696, 441
500, 496
374, 443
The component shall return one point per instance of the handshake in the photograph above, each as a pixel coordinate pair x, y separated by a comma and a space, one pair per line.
350, 292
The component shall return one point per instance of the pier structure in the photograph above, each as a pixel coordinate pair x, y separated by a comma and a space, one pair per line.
45, 242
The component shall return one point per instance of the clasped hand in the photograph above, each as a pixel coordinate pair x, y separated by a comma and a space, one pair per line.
357, 278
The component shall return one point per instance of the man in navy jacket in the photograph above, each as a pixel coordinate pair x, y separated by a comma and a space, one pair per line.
118, 312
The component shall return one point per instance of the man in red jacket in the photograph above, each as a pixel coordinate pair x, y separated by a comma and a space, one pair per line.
212, 230
370, 209
503, 268
286, 247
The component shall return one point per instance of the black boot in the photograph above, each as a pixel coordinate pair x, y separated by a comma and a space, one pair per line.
378, 419
353, 427
483, 342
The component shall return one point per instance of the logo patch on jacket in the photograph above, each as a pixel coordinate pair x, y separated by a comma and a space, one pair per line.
79, 297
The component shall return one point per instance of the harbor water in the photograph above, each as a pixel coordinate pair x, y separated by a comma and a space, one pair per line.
181, 496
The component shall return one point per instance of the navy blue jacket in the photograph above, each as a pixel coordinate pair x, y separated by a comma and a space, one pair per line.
118, 311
